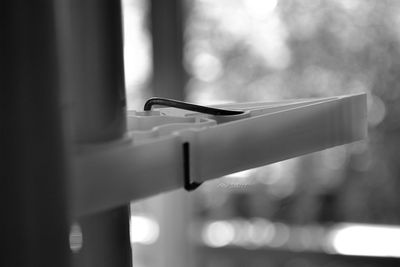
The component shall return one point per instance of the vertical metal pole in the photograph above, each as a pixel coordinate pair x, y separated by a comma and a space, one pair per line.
169, 79
92, 53
169, 76
34, 210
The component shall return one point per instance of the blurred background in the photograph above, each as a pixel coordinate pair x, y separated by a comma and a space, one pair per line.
339, 207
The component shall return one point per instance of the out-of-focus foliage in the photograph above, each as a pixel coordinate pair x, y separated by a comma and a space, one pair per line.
258, 50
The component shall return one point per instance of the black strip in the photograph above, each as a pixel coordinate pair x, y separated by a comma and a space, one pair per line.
188, 184
188, 106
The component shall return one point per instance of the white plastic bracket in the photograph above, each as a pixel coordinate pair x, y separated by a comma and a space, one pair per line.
170, 148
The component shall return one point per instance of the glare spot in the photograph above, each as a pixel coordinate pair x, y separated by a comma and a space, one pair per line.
143, 230
240, 175
75, 238
218, 234
365, 240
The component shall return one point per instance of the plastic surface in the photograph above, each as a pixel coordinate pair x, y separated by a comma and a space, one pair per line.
150, 160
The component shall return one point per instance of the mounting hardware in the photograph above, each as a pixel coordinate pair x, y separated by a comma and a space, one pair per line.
187, 183
189, 106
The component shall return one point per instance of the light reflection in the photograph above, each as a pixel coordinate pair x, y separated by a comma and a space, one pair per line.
253, 233
143, 230
218, 234
346, 239
365, 240
240, 175
75, 238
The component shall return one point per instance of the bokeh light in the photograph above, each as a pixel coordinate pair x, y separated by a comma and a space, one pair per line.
218, 234
365, 240
143, 230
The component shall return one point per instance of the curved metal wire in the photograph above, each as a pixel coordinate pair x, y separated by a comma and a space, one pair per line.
189, 106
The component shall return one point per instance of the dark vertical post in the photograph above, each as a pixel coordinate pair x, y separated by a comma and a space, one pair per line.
92, 53
169, 79
166, 24
34, 208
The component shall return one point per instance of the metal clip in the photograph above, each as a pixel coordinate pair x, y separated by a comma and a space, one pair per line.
188, 184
